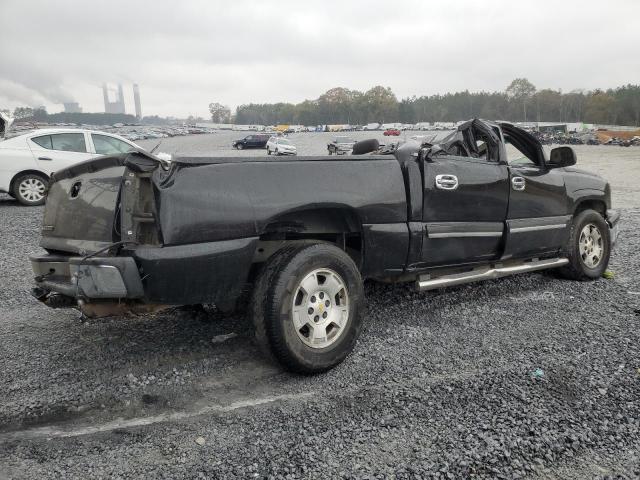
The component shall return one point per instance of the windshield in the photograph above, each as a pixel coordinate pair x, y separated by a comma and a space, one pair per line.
344, 140
283, 141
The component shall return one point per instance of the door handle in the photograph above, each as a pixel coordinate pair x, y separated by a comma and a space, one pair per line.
45, 158
518, 183
446, 182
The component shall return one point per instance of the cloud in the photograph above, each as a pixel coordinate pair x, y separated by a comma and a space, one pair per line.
187, 54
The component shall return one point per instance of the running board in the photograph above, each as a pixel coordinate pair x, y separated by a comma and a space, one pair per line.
425, 282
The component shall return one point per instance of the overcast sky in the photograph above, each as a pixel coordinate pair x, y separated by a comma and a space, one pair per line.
185, 54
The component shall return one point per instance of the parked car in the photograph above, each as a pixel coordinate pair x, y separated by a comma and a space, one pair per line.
341, 145
27, 161
392, 132
301, 234
280, 146
257, 140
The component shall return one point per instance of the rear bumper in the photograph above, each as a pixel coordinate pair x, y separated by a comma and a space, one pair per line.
214, 272
613, 220
91, 278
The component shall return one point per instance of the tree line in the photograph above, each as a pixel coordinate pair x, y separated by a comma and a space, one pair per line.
40, 114
520, 101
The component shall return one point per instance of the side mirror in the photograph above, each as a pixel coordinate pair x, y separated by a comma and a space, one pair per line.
562, 157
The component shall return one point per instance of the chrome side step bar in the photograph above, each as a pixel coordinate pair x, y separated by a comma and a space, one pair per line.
425, 282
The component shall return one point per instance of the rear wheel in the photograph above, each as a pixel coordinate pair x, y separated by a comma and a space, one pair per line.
30, 188
268, 151
307, 306
588, 248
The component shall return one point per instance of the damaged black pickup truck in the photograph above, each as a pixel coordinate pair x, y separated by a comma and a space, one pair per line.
298, 236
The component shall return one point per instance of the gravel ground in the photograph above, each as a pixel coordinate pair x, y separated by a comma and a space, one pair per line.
529, 376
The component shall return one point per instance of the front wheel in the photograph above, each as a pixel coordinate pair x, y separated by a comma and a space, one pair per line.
307, 306
588, 248
240, 146
29, 189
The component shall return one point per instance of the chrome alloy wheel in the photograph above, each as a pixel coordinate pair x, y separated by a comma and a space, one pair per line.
591, 245
320, 309
32, 189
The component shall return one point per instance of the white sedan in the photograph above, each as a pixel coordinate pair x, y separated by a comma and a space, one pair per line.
27, 161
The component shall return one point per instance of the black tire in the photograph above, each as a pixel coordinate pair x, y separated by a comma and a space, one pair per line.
29, 177
268, 151
577, 269
365, 146
240, 146
276, 152
273, 299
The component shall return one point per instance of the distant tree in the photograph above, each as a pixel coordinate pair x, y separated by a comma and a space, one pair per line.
599, 108
382, 104
628, 100
154, 120
219, 113
22, 112
406, 110
547, 103
521, 90
307, 113
379, 104
40, 114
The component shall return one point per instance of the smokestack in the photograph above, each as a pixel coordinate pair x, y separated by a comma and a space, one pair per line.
120, 99
136, 100
105, 95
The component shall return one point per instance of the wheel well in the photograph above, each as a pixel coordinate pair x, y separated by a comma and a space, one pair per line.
338, 226
597, 205
24, 172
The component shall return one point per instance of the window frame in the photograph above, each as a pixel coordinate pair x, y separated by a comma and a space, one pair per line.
50, 147
84, 141
93, 145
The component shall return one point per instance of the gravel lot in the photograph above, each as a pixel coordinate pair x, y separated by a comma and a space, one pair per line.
526, 376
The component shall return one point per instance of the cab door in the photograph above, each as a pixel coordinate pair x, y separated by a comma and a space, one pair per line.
465, 206
538, 219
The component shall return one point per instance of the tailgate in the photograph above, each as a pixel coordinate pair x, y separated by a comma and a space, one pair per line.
81, 208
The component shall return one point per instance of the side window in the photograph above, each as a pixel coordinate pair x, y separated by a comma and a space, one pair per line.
106, 145
68, 142
516, 157
44, 141
482, 149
